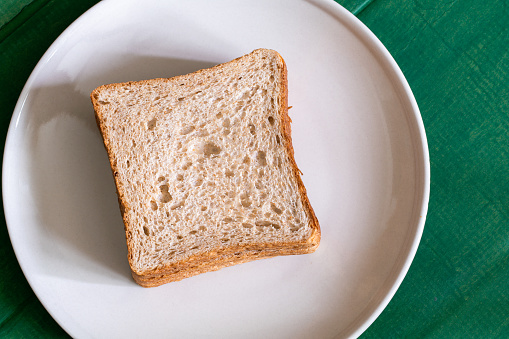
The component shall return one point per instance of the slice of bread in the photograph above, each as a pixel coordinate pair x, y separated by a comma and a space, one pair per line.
204, 169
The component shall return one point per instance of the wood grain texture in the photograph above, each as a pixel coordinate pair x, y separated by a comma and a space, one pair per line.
455, 55
10, 9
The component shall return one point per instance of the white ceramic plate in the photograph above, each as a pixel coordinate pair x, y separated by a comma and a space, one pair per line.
358, 138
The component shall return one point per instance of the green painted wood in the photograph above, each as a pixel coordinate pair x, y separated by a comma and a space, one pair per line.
14, 289
455, 56
355, 6
31, 321
11, 8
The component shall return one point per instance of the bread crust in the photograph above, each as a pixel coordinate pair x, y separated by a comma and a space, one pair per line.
221, 257
286, 130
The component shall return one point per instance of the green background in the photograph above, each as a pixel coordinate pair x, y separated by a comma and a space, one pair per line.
454, 54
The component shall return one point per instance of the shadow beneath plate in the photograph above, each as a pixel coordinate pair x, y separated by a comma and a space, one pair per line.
70, 178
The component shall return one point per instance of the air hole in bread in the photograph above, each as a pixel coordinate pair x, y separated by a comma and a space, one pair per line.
202, 228
278, 141
193, 232
229, 173
146, 230
151, 124
165, 197
275, 208
246, 95
271, 120
226, 123
260, 157
203, 208
226, 132
252, 129
198, 182
209, 149
179, 237
101, 102
195, 247
246, 225
187, 165
244, 199
219, 115
161, 178
181, 99
128, 163
187, 129
153, 205
179, 177
227, 220
246, 160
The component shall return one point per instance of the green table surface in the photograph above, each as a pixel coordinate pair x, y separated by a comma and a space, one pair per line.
455, 56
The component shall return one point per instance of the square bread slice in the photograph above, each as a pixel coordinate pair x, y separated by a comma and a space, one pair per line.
204, 169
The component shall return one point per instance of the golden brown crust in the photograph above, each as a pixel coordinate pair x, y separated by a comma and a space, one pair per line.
113, 166
287, 134
222, 257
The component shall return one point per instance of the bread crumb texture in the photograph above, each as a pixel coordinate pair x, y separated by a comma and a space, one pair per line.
204, 168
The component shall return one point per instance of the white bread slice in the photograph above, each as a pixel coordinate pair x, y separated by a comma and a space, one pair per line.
204, 169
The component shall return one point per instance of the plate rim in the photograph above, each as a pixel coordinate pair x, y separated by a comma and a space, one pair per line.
369, 38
